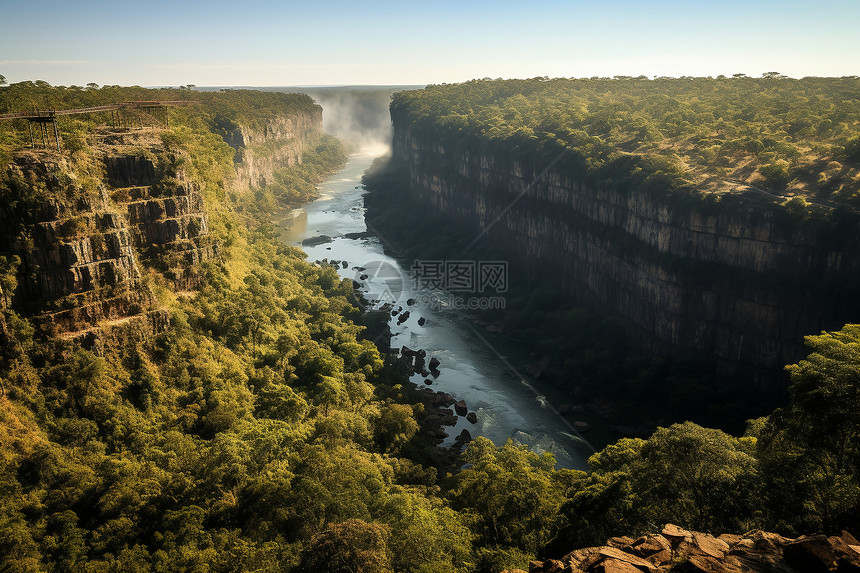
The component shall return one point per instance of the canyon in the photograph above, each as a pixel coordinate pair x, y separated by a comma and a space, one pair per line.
737, 279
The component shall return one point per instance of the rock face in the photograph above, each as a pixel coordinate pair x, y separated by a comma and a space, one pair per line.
256, 157
83, 248
676, 549
742, 283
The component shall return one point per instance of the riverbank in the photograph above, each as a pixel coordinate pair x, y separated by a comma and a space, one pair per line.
505, 407
585, 357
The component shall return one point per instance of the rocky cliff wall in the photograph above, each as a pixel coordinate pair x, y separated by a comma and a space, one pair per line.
278, 143
85, 246
737, 281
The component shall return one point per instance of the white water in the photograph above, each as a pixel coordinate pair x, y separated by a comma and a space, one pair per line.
474, 365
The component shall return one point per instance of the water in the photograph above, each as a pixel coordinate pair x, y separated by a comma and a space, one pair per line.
476, 366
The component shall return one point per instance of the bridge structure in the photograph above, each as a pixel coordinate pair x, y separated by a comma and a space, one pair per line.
123, 114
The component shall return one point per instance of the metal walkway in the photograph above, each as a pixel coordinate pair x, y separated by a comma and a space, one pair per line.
42, 118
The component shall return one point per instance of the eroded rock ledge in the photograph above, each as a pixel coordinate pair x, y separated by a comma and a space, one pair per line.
676, 549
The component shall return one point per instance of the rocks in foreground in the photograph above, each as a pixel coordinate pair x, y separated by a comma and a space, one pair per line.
676, 549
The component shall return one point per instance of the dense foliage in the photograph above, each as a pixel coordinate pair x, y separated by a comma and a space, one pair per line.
785, 136
262, 432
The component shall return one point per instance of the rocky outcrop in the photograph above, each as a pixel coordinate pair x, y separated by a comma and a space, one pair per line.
676, 549
85, 233
171, 230
278, 143
737, 279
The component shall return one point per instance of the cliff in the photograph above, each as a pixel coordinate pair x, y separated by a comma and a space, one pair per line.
95, 235
739, 279
676, 549
278, 142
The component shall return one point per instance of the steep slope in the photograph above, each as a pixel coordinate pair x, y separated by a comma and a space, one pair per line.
740, 273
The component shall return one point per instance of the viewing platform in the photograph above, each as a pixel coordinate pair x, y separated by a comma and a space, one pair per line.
123, 114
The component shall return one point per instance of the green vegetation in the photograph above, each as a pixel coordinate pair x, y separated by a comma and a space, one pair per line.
581, 351
785, 136
262, 431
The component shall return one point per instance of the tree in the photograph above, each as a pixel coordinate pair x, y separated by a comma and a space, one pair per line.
810, 449
353, 546
697, 477
510, 495
8, 277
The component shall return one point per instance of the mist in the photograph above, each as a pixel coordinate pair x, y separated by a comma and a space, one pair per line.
357, 114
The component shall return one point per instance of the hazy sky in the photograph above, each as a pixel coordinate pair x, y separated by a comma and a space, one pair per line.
267, 43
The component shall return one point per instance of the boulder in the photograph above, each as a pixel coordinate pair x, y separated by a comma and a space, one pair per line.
813, 554
472, 417
421, 321
621, 542
619, 555
428, 382
461, 408
615, 566
661, 557
707, 564
553, 566
434, 364
443, 399
702, 544
649, 545
674, 533
578, 557
403, 317
464, 437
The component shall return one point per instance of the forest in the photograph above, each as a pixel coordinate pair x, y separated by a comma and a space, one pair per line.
262, 431
789, 137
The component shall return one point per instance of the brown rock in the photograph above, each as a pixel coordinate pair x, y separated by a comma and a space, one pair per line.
710, 545
649, 545
675, 533
614, 553
535, 566
660, 557
847, 551
461, 408
729, 538
812, 554
579, 557
553, 566
619, 542
848, 538
708, 564
615, 566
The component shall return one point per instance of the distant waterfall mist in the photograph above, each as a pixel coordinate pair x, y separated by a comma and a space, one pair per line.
357, 114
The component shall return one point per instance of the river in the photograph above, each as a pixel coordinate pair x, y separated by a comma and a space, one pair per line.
476, 366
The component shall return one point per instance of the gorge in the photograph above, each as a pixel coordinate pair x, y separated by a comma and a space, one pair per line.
736, 276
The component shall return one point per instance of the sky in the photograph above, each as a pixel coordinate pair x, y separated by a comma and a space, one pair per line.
288, 43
